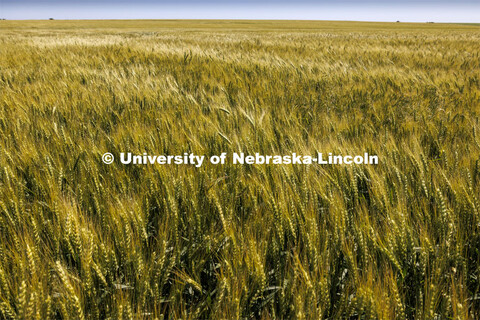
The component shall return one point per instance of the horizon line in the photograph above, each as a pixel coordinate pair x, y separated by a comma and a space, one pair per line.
240, 19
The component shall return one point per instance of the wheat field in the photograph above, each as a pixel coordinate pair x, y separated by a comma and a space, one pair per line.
80, 239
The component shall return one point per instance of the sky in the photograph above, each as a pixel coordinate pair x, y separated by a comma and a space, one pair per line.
360, 10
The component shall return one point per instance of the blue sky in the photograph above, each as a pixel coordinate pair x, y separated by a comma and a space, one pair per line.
387, 10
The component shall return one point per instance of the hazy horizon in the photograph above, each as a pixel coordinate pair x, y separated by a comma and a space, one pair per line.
406, 11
